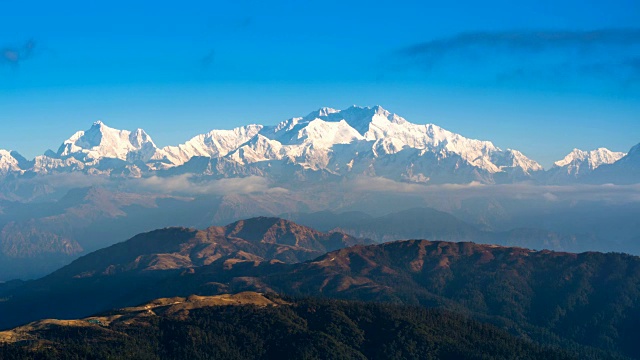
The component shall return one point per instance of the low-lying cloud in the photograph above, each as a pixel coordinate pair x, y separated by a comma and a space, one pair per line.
191, 185
521, 191
70, 180
52, 186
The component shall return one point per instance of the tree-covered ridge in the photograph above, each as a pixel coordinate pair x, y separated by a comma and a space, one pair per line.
591, 298
291, 329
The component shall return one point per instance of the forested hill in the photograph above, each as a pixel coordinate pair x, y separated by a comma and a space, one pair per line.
268, 327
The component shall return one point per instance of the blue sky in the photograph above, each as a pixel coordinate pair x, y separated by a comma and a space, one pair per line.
539, 76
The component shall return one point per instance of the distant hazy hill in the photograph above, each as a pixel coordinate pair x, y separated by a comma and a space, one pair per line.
37, 238
427, 223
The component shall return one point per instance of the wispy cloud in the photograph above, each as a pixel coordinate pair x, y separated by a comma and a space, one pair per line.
530, 41
13, 55
611, 54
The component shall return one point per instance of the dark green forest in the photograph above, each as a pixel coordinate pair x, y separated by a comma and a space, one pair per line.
302, 329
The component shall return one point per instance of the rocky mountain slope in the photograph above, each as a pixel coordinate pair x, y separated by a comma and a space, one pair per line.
254, 240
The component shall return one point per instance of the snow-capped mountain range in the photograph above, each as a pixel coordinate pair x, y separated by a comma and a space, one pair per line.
579, 163
326, 143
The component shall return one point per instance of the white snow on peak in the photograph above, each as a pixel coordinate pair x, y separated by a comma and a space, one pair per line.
388, 146
324, 134
311, 141
259, 148
214, 144
324, 111
358, 140
8, 163
358, 118
101, 141
579, 161
392, 133
514, 159
387, 134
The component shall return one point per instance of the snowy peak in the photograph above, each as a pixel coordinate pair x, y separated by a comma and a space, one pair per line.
322, 112
101, 141
514, 159
259, 148
357, 117
324, 134
369, 141
214, 144
8, 163
579, 162
139, 138
325, 139
389, 134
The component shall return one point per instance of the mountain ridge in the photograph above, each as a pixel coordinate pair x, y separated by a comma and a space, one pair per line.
353, 141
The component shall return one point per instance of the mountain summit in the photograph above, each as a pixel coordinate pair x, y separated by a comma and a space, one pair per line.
101, 141
579, 162
256, 239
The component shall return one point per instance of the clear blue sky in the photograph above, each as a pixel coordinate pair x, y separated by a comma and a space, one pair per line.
539, 76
